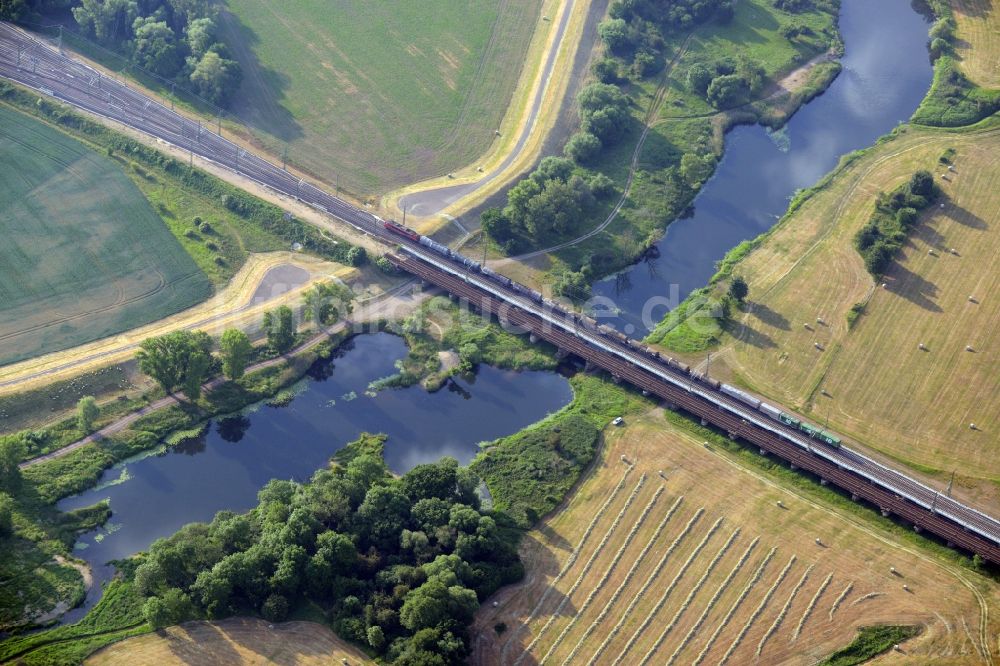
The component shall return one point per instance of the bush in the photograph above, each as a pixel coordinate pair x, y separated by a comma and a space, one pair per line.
583, 147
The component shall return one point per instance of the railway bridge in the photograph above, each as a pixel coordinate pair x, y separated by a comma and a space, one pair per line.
50, 72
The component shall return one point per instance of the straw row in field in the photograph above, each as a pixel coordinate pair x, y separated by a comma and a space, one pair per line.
757, 612
607, 574
811, 606
691, 595
667, 592
736, 604
784, 609
624, 584
586, 569
714, 600
645, 586
839, 600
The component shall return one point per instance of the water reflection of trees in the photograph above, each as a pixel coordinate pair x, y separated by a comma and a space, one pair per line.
232, 428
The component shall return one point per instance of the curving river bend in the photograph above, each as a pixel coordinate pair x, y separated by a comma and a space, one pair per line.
886, 72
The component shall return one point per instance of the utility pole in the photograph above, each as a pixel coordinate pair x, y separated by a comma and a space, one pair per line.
173, 93
404, 215
20, 50
284, 159
708, 364
950, 482
199, 131
60, 40
220, 124
237, 158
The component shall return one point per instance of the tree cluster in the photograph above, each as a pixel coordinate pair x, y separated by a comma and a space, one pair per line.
727, 82
175, 39
401, 564
634, 32
895, 214
178, 360
546, 203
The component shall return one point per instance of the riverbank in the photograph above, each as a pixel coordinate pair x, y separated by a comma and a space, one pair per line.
669, 123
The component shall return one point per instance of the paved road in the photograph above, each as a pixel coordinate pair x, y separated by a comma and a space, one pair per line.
429, 202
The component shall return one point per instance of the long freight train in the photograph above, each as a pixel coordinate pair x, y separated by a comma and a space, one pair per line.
612, 334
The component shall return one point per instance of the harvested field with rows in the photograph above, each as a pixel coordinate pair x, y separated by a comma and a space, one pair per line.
700, 565
84, 255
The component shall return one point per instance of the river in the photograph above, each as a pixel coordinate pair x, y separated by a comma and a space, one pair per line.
886, 72
153, 496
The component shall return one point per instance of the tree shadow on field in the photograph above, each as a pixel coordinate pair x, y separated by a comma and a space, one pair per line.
554, 538
257, 103
966, 218
188, 641
912, 287
751, 336
768, 316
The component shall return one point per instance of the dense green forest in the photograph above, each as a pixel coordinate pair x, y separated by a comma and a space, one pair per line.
401, 564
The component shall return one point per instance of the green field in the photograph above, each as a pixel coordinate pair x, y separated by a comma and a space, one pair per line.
84, 255
378, 94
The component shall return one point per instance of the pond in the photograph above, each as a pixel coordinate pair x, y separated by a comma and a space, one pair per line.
152, 497
886, 72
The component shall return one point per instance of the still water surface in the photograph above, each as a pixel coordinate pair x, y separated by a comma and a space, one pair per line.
223, 469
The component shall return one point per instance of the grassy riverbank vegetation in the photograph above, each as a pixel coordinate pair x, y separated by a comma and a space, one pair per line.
955, 100
668, 83
871, 642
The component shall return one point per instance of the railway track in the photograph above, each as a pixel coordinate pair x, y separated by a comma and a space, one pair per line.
32, 64
860, 488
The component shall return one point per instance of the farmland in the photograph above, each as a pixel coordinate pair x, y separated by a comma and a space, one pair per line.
84, 254
364, 100
979, 40
234, 641
872, 381
680, 568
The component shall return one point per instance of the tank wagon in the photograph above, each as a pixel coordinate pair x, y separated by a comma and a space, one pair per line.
783, 417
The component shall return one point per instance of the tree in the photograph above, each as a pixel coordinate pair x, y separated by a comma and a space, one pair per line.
107, 20
155, 47
200, 36
275, 608
376, 637
583, 147
605, 69
280, 327
614, 34
646, 64
172, 608
178, 359
235, 348
216, 78
728, 90
87, 412
738, 288
6, 514
922, 183
696, 169
698, 78
11, 455
326, 302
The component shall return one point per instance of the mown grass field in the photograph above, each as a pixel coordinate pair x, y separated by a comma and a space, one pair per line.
84, 255
703, 566
979, 26
378, 95
880, 388
234, 641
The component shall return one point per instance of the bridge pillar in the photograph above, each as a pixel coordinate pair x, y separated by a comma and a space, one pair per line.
794, 467
763, 452
732, 435
854, 497
917, 529
671, 406
561, 353
823, 482
616, 379
704, 422
533, 338
645, 392
885, 513
951, 544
